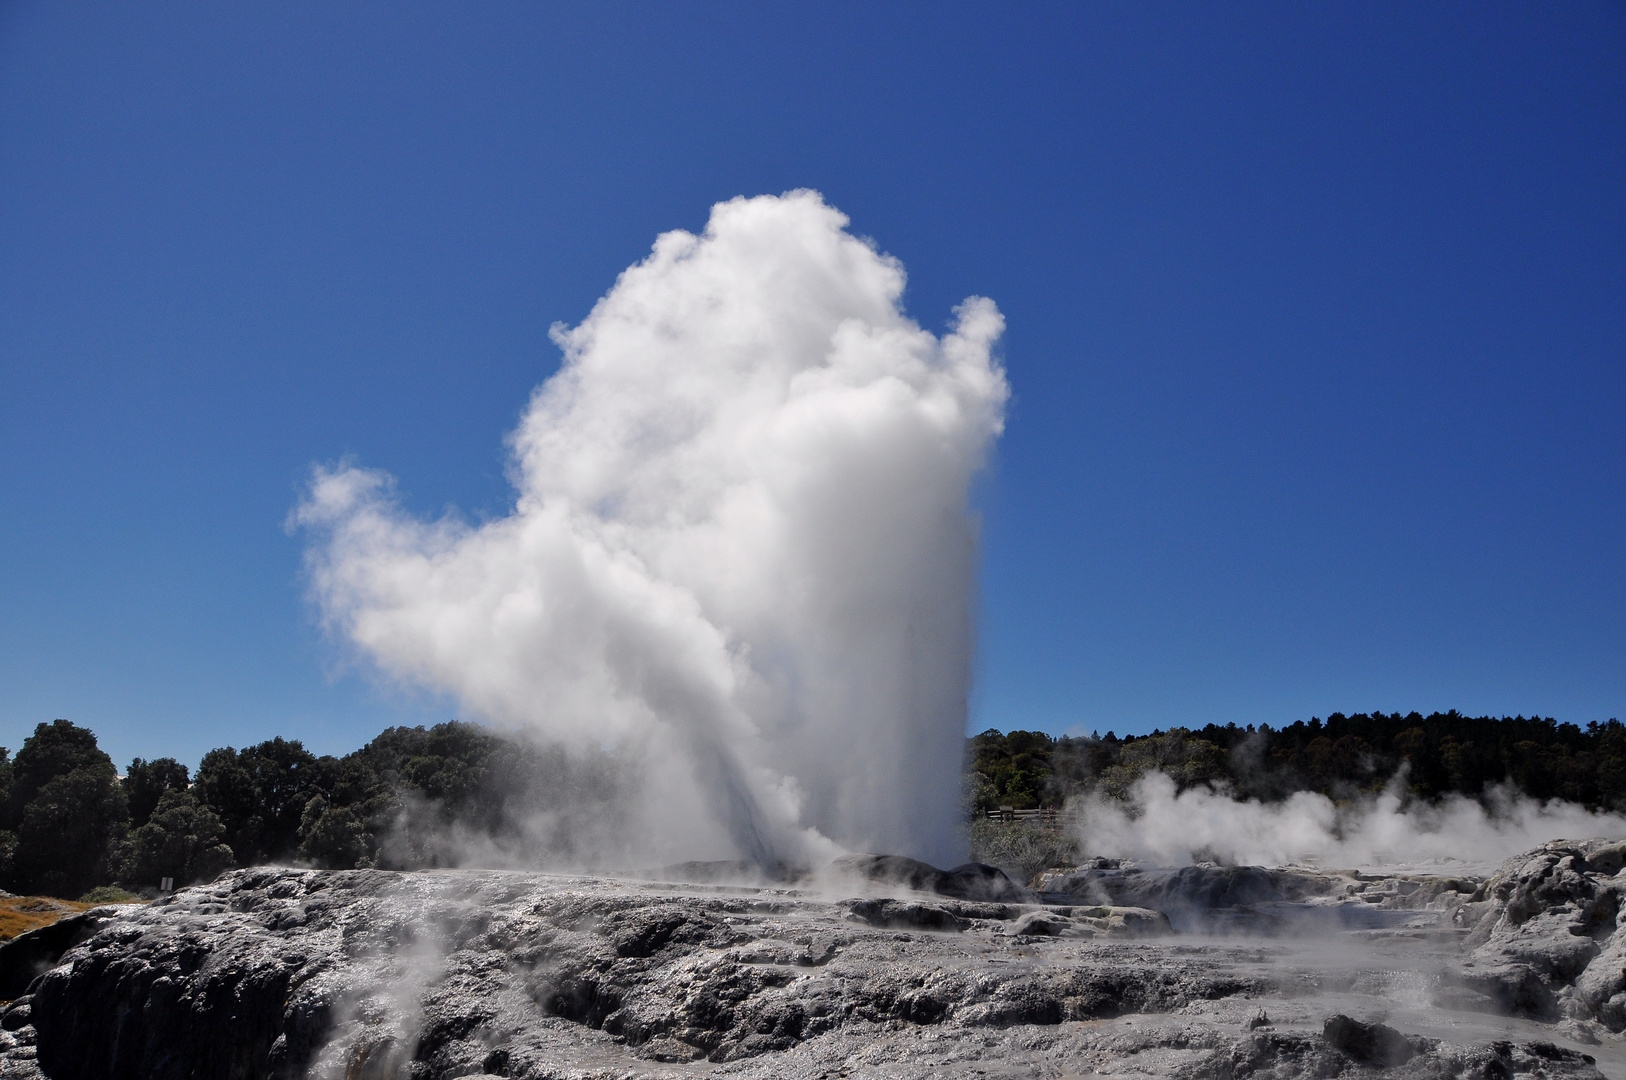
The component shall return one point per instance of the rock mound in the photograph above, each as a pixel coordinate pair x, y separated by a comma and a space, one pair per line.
1548, 937
1204, 898
1257, 900
283, 973
973, 881
1093, 922
1372, 1044
309, 975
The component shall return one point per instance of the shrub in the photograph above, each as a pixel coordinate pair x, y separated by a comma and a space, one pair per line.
109, 894
1020, 848
181, 840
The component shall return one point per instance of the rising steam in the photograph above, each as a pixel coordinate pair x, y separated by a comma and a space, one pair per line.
1161, 826
740, 554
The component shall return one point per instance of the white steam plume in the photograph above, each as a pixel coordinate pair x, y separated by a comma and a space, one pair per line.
1164, 827
740, 551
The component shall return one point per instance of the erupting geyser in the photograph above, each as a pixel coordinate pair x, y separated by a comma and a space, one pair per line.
740, 554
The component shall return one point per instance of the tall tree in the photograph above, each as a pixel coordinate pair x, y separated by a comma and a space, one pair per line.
69, 811
259, 794
69, 830
55, 749
180, 840
145, 783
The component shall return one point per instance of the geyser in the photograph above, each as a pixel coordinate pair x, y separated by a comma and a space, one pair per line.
740, 552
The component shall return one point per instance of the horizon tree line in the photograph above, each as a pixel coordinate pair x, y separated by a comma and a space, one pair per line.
419, 797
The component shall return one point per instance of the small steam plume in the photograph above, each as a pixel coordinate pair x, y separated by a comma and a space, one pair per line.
740, 554
1159, 825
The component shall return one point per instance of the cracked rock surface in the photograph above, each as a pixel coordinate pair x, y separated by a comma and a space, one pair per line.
362, 974
1547, 934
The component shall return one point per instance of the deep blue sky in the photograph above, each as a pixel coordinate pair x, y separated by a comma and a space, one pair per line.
1317, 325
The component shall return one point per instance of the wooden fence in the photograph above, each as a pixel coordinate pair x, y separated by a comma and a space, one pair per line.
1044, 815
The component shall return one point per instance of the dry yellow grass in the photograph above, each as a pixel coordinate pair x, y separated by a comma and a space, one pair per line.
20, 914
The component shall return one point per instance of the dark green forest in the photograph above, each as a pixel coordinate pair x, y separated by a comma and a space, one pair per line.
413, 797
416, 797
1342, 757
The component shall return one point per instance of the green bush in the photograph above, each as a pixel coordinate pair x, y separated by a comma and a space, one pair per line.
108, 894
1022, 848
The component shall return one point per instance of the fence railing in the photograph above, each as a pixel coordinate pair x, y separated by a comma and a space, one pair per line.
1043, 815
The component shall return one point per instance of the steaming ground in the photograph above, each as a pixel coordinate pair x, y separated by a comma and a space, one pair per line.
1199, 972
739, 553
1161, 826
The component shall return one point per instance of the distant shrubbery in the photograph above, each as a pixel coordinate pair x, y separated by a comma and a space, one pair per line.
1341, 757
1022, 848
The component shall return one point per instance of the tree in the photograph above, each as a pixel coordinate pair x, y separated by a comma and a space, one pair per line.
69, 829
285, 777
1185, 758
66, 809
8, 857
1014, 768
146, 782
55, 749
6, 777
180, 840
332, 837
225, 786
260, 793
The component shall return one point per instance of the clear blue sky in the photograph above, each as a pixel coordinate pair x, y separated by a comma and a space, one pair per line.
1317, 325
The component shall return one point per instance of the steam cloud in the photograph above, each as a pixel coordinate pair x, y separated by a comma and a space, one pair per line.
740, 553
1168, 828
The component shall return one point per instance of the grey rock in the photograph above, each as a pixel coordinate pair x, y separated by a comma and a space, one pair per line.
1549, 939
724, 872
26, 956
18, 1014
279, 973
1092, 922
901, 914
1046, 924
1257, 900
973, 881
1371, 1044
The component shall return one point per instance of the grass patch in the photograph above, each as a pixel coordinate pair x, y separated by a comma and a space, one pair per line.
20, 914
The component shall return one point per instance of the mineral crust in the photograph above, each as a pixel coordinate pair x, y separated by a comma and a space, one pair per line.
294, 973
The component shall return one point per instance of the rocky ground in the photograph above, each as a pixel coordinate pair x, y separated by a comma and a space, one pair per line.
883, 968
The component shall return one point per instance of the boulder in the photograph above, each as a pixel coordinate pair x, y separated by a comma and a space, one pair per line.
973, 881
1370, 1044
1092, 922
1549, 939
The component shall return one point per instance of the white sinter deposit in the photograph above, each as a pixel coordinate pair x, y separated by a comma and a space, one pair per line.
1197, 973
